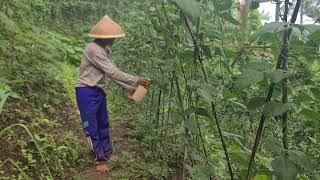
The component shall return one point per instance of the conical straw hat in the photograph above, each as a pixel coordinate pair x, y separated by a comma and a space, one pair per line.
106, 28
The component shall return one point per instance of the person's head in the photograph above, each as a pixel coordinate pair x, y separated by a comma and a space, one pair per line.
104, 42
106, 31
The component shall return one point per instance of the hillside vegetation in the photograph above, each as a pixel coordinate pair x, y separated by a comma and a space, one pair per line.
231, 98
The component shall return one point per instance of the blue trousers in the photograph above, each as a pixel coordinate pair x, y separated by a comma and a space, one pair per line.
95, 120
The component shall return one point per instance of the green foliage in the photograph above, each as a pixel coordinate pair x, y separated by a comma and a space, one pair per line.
222, 5
211, 80
284, 168
200, 171
278, 75
67, 75
256, 66
248, 78
211, 75
273, 145
310, 114
256, 72
29, 52
35, 142
255, 103
286, 164
191, 8
251, 73
25, 176
5, 93
207, 92
272, 109
312, 8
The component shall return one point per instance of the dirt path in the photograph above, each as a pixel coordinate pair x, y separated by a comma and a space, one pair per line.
126, 147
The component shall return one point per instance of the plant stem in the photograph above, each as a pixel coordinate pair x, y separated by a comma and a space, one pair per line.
213, 109
284, 82
17, 166
281, 58
181, 109
35, 142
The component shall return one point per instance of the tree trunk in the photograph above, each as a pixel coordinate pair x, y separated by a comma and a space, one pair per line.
301, 11
277, 15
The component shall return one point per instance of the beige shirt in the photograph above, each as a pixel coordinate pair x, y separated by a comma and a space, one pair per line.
97, 66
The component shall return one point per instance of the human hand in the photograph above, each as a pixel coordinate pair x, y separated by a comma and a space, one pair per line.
130, 96
145, 82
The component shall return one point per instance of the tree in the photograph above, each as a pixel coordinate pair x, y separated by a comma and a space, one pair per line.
312, 8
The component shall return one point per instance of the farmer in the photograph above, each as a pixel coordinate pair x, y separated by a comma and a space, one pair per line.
96, 67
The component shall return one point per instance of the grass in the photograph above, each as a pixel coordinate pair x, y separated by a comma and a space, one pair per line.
15, 164
35, 142
67, 75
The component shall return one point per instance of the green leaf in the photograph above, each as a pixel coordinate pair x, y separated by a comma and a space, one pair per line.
300, 158
264, 173
255, 103
187, 54
198, 111
228, 17
257, 66
284, 168
316, 176
200, 171
213, 34
197, 157
272, 27
207, 92
315, 36
248, 78
237, 138
298, 26
303, 97
311, 114
8, 24
193, 84
206, 51
228, 94
238, 104
3, 99
222, 5
277, 75
273, 145
315, 92
266, 38
272, 109
190, 125
261, 177
40, 137
190, 8
311, 28
313, 140
202, 112
276, 27
240, 157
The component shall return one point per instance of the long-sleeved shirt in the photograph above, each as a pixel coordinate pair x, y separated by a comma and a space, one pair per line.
97, 66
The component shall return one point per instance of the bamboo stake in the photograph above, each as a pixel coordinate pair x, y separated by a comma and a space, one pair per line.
213, 110
281, 57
